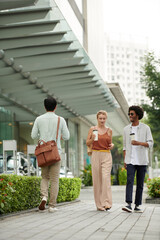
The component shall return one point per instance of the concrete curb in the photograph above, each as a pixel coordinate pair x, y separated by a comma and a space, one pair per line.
152, 200
4, 216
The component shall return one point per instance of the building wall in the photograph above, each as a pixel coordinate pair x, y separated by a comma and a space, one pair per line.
96, 34
77, 144
124, 62
90, 34
71, 18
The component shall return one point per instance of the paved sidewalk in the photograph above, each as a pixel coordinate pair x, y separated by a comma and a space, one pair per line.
79, 221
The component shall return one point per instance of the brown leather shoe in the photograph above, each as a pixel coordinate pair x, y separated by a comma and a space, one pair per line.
43, 204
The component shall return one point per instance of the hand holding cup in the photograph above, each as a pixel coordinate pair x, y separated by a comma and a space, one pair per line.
95, 133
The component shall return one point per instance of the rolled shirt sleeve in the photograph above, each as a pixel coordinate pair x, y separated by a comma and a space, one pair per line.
149, 139
35, 131
124, 141
65, 132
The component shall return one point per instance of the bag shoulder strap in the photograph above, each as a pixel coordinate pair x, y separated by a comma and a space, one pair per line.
57, 128
107, 130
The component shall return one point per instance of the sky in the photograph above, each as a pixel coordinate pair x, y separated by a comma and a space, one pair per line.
140, 18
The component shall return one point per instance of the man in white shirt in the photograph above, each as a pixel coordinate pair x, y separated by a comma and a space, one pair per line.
45, 128
137, 139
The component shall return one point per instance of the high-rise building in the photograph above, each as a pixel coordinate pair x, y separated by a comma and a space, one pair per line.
124, 62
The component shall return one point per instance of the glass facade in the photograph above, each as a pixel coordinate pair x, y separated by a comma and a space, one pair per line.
6, 126
73, 148
87, 159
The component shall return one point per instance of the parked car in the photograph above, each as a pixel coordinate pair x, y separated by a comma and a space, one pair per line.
69, 174
34, 162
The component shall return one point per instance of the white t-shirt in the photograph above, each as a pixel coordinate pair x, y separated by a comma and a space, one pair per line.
134, 156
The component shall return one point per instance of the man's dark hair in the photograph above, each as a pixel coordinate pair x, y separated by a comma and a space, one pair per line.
50, 104
138, 110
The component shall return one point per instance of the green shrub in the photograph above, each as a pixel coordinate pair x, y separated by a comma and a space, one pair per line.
69, 189
112, 179
87, 176
153, 186
18, 193
122, 176
22, 192
146, 177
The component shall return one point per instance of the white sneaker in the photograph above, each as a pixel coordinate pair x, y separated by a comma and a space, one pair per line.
43, 204
51, 209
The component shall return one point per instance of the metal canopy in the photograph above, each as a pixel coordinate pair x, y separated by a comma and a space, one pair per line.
8, 4
39, 57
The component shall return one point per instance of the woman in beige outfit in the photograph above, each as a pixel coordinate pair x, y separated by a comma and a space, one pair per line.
101, 162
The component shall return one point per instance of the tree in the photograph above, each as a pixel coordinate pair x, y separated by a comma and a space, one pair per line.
151, 82
117, 156
117, 152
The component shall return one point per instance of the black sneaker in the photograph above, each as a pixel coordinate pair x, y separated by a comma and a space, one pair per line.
138, 210
127, 208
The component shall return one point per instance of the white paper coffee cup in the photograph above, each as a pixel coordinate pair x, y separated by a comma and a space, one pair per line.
95, 132
132, 135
